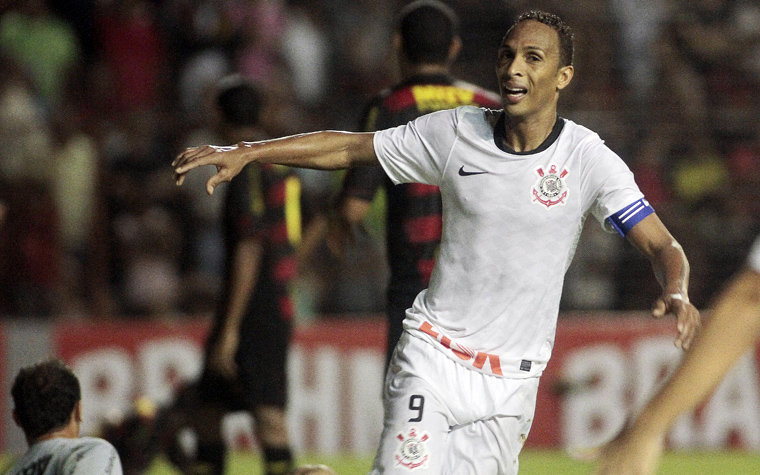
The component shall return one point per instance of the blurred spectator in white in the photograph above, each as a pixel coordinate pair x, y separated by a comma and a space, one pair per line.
639, 27
307, 50
29, 253
75, 182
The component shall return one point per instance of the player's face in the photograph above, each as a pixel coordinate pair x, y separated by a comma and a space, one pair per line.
528, 69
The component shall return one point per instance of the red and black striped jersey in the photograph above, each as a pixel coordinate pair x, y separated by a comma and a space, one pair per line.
264, 201
413, 214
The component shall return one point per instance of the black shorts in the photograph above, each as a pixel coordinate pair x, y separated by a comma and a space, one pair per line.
261, 359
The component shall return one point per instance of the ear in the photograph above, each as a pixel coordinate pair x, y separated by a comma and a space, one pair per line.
78, 412
398, 44
454, 48
564, 76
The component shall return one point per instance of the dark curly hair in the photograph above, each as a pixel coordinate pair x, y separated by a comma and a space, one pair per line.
44, 396
566, 40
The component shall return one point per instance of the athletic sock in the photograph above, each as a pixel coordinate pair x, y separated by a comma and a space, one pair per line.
278, 460
211, 459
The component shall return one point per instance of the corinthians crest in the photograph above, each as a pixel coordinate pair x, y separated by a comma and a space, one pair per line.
550, 189
412, 451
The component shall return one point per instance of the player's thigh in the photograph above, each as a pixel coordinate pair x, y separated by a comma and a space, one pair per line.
487, 447
414, 434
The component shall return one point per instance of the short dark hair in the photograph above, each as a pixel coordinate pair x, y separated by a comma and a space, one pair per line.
427, 28
44, 396
565, 34
239, 100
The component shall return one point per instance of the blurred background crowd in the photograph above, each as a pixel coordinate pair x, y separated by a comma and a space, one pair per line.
98, 96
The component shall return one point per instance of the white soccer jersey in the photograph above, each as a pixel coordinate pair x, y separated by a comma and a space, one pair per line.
753, 261
62, 455
511, 222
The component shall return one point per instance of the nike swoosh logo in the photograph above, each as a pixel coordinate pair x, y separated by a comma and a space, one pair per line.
464, 173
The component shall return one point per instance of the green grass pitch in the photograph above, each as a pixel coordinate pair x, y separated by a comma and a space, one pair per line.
532, 462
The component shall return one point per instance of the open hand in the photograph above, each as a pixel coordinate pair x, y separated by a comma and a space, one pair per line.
228, 160
687, 317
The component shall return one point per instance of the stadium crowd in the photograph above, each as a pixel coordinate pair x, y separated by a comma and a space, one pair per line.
98, 96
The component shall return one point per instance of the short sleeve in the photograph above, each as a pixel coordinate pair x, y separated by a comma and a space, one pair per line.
417, 152
753, 261
609, 183
96, 457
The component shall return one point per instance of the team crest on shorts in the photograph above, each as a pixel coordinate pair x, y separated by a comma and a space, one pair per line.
550, 188
412, 449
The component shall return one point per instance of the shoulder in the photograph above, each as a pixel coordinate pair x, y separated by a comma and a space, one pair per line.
578, 137
481, 96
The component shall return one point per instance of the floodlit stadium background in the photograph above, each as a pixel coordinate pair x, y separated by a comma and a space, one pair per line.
104, 262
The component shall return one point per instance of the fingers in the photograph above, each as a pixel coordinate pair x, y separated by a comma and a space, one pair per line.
688, 320
659, 309
191, 158
689, 323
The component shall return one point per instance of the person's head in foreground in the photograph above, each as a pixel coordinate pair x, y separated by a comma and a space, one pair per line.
46, 401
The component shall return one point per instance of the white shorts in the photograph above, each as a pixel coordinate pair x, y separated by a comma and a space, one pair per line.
443, 418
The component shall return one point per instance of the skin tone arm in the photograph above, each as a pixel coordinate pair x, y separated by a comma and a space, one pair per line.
732, 329
246, 261
671, 268
336, 230
326, 150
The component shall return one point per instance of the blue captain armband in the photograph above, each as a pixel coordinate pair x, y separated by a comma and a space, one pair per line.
625, 219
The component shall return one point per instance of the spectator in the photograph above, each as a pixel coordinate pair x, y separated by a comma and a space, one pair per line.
43, 44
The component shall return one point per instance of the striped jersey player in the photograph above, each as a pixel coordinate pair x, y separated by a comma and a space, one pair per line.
516, 186
413, 214
427, 43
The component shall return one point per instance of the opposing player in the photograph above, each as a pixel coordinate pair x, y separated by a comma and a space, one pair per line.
246, 351
47, 406
732, 329
516, 186
427, 43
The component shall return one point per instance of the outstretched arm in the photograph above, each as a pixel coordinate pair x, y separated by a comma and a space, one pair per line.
671, 268
732, 330
326, 150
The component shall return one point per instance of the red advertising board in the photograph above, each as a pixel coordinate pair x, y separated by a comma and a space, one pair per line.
603, 367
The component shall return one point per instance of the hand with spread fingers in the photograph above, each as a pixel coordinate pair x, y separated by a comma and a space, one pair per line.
228, 160
688, 319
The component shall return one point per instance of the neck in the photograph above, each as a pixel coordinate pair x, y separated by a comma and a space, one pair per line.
70, 431
411, 70
524, 134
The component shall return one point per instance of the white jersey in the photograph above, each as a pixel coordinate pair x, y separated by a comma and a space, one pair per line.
67, 456
753, 261
511, 222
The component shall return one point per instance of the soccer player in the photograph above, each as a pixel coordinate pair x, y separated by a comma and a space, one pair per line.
516, 186
245, 365
732, 329
427, 43
47, 406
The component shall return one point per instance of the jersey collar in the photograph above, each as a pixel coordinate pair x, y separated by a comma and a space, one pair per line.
499, 134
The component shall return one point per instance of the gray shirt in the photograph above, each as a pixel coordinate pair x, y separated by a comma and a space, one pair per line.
66, 456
